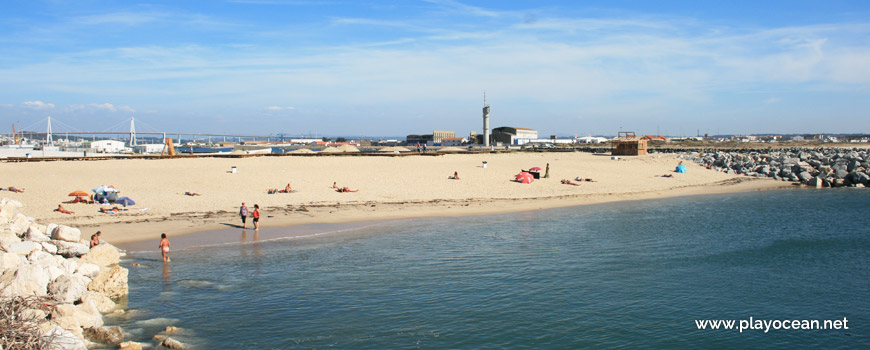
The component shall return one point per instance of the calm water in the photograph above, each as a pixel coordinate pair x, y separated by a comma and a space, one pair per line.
625, 275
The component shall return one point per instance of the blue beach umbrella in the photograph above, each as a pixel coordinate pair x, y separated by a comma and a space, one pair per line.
125, 201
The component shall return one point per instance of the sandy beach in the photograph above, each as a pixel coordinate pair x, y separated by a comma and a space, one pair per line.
389, 188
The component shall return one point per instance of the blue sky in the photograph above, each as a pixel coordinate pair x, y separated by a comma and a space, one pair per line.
373, 68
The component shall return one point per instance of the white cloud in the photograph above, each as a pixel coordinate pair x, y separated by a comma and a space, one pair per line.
38, 105
278, 108
771, 100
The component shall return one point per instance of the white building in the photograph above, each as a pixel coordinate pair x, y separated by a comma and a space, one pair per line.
149, 148
108, 146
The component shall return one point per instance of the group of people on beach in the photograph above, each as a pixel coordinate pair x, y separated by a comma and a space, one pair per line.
243, 213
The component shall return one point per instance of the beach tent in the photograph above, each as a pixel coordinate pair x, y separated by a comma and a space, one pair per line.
125, 201
525, 177
681, 168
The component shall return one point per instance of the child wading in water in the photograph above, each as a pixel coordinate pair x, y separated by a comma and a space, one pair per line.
164, 247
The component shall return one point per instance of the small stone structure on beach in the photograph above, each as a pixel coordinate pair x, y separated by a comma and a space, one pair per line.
73, 284
815, 167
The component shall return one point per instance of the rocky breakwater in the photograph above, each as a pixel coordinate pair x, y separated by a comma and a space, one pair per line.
68, 286
816, 167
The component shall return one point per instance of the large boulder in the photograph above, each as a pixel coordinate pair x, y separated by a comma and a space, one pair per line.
70, 249
103, 255
7, 239
76, 317
41, 258
102, 303
66, 233
89, 270
49, 247
24, 280
19, 224
68, 288
105, 335
111, 282
24, 248
62, 339
170, 343
68, 265
10, 260
9, 207
34, 234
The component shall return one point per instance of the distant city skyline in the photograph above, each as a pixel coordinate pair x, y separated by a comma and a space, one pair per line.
382, 68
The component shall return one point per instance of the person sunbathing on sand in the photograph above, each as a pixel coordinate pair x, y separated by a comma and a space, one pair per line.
288, 189
667, 175
345, 189
568, 182
191, 193
334, 185
455, 176
63, 210
584, 180
13, 189
114, 210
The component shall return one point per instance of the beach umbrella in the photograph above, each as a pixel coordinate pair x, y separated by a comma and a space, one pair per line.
125, 201
78, 194
535, 169
525, 177
105, 188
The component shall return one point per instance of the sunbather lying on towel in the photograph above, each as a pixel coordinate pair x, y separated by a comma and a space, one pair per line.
345, 189
62, 210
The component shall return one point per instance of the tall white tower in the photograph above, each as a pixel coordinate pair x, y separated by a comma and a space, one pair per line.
132, 133
485, 122
48, 139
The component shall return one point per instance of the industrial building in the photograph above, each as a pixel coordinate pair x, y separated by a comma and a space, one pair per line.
430, 139
508, 135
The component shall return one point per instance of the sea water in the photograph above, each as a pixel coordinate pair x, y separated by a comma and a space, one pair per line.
621, 275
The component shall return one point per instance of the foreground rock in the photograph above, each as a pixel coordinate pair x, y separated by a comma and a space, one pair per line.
77, 283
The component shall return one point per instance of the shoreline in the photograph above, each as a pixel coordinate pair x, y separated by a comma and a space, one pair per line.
320, 214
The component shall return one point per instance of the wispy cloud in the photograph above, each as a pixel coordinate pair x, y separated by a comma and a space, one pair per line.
125, 18
37, 105
102, 106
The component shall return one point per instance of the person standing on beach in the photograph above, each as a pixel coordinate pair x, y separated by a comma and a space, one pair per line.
164, 247
547, 173
243, 213
256, 215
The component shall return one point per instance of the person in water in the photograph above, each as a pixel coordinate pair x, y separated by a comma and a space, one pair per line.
164, 247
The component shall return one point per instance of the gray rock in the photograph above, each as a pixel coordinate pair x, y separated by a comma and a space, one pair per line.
804, 176
816, 182
68, 288
70, 249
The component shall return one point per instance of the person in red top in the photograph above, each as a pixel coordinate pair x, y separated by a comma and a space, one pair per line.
256, 216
